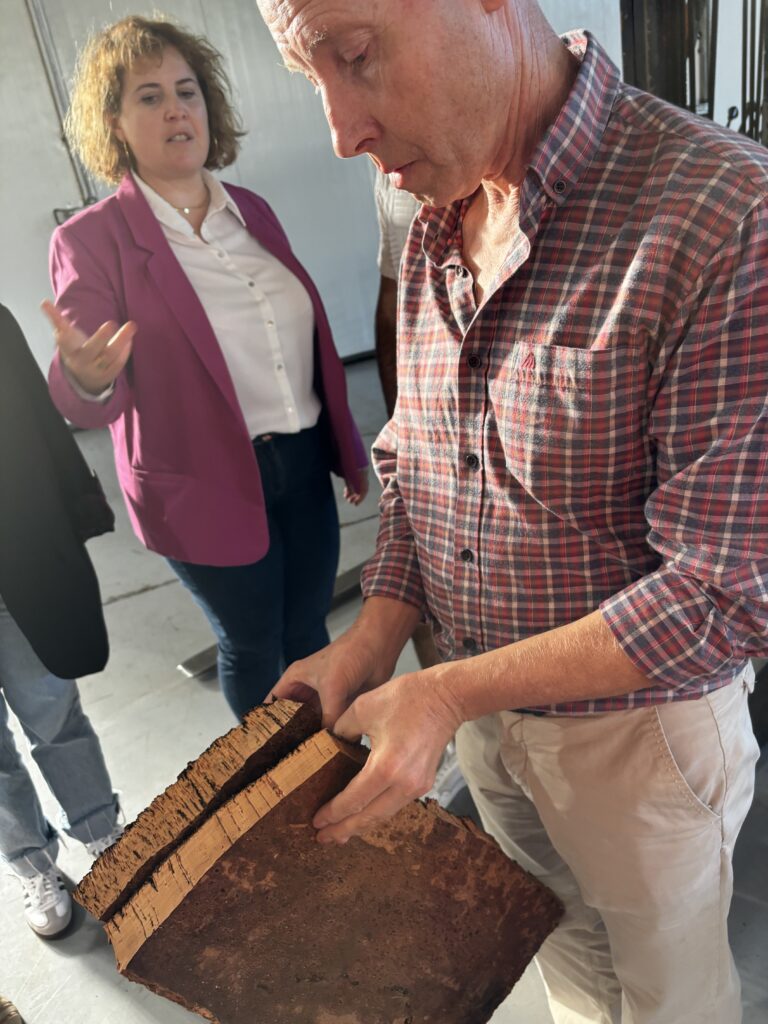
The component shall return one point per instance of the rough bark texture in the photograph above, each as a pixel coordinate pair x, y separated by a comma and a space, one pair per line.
421, 921
267, 734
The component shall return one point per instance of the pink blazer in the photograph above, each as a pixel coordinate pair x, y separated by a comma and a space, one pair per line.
184, 458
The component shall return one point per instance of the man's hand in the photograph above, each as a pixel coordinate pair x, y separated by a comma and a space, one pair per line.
360, 659
93, 362
409, 721
336, 674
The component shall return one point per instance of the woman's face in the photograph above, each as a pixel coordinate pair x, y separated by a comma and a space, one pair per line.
163, 119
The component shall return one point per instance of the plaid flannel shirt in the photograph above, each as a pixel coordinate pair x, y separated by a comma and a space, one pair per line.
594, 436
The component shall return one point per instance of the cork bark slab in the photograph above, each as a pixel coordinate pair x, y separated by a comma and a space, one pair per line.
250, 921
267, 734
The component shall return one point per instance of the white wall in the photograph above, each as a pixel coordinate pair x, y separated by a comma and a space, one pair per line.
728, 82
601, 17
35, 175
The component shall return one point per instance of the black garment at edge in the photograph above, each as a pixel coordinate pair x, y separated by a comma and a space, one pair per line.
50, 503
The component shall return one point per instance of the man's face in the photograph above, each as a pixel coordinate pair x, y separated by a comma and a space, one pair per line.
404, 81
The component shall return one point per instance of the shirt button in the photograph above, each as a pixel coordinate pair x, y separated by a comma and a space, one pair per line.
472, 461
474, 361
279, 366
270, 323
466, 555
469, 643
560, 186
251, 284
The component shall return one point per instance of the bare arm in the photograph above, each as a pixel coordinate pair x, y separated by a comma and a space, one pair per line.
579, 661
362, 658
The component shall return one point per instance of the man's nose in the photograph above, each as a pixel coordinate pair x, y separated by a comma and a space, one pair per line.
353, 129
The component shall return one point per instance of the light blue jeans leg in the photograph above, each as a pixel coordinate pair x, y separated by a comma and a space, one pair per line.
67, 752
27, 840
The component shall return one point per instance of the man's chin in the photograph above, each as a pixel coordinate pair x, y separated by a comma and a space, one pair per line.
439, 198
435, 193
427, 193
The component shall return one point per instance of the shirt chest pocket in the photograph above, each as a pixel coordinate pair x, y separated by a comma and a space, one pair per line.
568, 423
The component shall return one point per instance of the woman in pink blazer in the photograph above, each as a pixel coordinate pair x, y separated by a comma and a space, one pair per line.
222, 388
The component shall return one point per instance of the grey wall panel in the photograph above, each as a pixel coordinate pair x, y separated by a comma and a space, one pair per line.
35, 176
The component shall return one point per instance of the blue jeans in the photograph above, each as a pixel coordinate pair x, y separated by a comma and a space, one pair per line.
272, 612
67, 752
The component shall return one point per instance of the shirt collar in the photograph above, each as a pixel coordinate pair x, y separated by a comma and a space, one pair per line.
572, 141
562, 156
169, 215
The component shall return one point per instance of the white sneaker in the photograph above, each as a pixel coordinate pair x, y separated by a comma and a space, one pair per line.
47, 904
449, 781
98, 846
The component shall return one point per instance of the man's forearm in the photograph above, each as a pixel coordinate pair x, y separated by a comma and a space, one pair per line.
580, 661
384, 626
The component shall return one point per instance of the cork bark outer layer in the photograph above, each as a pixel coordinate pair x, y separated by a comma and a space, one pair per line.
267, 734
423, 920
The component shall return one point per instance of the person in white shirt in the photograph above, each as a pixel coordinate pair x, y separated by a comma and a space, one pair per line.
184, 322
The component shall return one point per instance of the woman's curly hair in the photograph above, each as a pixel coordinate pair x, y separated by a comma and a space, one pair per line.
97, 92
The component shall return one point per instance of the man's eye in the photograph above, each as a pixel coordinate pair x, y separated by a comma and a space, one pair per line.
359, 60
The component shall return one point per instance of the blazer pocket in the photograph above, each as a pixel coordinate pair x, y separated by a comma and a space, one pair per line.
155, 495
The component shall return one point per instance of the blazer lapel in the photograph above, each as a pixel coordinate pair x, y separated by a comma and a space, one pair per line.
173, 286
274, 242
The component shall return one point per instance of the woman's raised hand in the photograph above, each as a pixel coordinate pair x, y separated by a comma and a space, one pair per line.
93, 362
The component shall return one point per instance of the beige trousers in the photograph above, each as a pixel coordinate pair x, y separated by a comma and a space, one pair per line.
631, 818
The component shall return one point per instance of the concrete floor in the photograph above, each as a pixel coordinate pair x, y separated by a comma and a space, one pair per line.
152, 721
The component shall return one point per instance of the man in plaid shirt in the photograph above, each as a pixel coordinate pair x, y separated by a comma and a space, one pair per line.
573, 481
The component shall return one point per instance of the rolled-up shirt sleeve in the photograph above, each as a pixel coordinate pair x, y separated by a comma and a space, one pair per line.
706, 607
394, 569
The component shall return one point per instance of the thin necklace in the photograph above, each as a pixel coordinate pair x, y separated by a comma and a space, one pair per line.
197, 206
